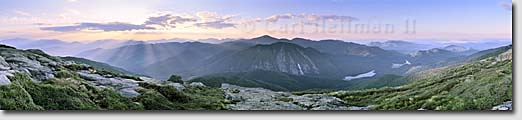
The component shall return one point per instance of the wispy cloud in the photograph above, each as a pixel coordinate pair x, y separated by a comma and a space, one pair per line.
214, 21
507, 5
207, 20
41, 24
152, 23
112, 26
216, 25
22, 13
168, 20
311, 17
275, 18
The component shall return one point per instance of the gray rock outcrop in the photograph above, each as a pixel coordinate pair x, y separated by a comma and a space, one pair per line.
4, 80
263, 99
41, 67
125, 86
197, 84
3, 64
504, 106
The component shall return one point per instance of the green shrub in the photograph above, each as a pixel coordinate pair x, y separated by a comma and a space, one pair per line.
60, 98
205, 98
175, 79
76, 67
153, 100
170, 92
111, 100
235, 91
65, 74
14, 97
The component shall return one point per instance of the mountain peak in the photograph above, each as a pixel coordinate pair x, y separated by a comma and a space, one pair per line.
297, 39
456, 48
282, 44
265, 37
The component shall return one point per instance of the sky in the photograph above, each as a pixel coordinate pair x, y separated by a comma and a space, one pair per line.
85, 20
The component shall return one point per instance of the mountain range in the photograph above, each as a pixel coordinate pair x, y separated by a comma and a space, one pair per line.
298, 59
326, 58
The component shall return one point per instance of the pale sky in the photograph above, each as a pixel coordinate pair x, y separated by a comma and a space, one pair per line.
78, 20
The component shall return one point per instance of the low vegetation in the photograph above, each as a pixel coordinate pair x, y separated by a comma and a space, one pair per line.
69, 92
175, 79
166, 97
474, 86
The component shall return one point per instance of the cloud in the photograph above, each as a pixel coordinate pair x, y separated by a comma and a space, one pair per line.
215, 25
213, 16
507, 5
311, 17
21, 13
168, 20
214, 21
275, 18
152, 23
205, 20
330, 17
41, 24
112, 26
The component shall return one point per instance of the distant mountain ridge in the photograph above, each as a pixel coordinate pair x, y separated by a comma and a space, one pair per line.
460, 49
326, 58
136, 57
67, 48
63, 48
281, 57
401, 46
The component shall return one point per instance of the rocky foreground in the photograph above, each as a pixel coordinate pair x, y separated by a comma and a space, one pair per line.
263, 99
508, 105
244, 98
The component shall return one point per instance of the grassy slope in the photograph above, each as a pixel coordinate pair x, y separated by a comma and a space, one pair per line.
473, 86
387, 80
283, 82
70, 92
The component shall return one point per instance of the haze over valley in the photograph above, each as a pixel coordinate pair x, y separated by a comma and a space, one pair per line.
335, 61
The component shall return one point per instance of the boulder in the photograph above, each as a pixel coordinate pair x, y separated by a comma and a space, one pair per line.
3, 64
129, 92
197, 84
274, 105
124, 86
4, 80
504, 106
508, 55
321, 101
26, 64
